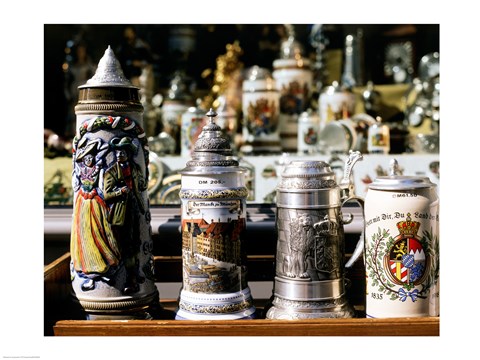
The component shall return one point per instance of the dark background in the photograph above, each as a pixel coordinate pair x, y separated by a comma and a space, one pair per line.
208, 42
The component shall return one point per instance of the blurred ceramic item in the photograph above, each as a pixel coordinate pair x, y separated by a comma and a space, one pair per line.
378, 138
362, 123
335, 103
193, 121
308, 132
261, 109
162, 144
112, 266
338, 136
227, 119
249, 177
402, 246
155, 174
293, 79
213, 195
175, 104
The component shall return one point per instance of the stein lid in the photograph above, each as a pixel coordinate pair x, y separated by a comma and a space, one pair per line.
108, 90
109, 73
258, 79
395, 181
211, 149
299, 175
301, 168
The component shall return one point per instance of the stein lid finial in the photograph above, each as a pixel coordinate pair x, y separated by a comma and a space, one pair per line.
109, 73
393, 169
211, 126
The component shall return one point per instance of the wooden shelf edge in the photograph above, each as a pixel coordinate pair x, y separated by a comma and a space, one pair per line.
427, 326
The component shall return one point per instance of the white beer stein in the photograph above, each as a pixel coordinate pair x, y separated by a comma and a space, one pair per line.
402, 246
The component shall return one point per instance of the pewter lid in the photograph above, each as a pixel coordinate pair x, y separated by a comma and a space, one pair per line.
306, 174
211, 147
109, 73
394, 181
301, 168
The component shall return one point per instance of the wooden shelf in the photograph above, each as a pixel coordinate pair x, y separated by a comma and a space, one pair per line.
60, 321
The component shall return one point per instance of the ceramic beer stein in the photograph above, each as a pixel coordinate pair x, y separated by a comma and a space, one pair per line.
402, 246
309, 281
335, 103
261, 109
293, 79
378, 141
308, 133
175, 104
112, 263
192, 121
213, 195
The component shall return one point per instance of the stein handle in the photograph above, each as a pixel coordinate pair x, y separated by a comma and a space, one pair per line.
347, 188
361, 241
346, 183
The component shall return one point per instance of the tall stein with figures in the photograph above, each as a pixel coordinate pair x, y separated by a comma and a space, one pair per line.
112, 266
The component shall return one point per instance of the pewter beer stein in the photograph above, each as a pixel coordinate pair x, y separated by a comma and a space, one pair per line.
309, 281
112, 264
213, 195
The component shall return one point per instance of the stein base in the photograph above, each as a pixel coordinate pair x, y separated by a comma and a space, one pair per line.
294, 310
229, 306
146, 308
244, 315
146, 313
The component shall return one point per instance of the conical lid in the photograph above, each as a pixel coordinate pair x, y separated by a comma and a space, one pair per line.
109, 73
211, 147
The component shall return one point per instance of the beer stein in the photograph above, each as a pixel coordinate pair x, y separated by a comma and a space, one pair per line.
309, 281
261, 109
402, 246
112, 263
213, 195
192, 122
176, 103
308, 133
293, 79
335, 103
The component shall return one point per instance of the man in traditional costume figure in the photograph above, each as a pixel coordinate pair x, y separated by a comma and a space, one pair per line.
124, 183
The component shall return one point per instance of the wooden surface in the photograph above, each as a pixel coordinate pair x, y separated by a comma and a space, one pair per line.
260, 327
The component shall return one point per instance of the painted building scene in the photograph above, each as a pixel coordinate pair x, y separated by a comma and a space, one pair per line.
212, 255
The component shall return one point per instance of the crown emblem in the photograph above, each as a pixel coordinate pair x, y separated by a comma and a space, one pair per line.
408, 227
